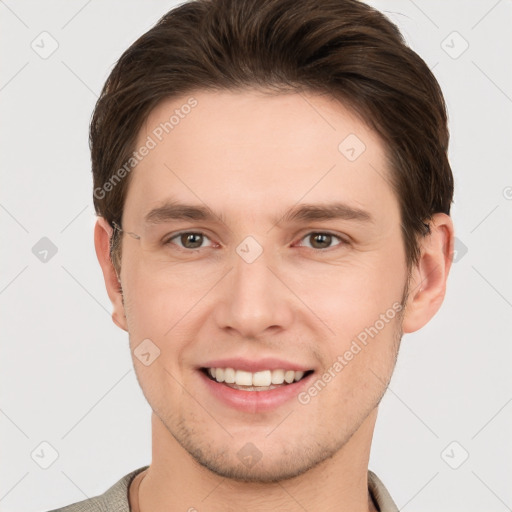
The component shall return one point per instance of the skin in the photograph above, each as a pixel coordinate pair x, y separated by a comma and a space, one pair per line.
250, 157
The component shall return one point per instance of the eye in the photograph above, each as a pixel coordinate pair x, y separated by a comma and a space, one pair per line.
320, 240
189, 240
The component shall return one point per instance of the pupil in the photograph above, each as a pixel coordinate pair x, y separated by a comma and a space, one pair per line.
323, 239
191, 240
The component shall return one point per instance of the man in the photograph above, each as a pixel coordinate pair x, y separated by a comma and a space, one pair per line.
273, 192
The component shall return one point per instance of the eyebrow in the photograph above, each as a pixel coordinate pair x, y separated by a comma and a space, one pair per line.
299, 213
329, 211
180, 211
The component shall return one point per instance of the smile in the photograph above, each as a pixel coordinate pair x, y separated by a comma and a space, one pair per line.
255, 381
254, 392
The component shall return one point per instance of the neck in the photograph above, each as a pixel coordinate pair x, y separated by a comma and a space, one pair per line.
175, 481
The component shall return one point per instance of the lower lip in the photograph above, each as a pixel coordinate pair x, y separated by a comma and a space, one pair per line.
255, 401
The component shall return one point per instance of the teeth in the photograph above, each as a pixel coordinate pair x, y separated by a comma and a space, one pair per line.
298, 376
229, 376
242, 378
262, 379
289, 376
277, 376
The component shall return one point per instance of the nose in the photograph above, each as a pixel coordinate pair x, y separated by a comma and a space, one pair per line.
252, 301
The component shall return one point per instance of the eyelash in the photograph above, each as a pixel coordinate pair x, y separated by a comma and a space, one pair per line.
341, 240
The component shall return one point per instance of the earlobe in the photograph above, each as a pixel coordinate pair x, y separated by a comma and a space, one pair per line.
427, 285
102, 234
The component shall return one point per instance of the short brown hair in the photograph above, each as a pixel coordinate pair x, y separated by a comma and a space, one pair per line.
344, 48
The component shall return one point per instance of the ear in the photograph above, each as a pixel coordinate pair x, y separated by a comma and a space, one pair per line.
427, 285
102, 233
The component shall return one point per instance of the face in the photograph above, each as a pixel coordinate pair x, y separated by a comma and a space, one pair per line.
268, 239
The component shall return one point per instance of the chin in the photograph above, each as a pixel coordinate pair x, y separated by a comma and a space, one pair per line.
263, 461
261, 472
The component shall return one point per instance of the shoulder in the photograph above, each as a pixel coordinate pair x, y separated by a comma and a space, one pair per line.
380, 494
114, 499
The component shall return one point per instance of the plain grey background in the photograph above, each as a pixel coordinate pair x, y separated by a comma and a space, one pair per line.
442, 440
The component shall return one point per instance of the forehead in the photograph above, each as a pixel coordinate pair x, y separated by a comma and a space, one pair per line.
252, 150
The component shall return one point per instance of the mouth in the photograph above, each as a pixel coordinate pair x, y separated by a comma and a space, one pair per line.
260, 381
257, 384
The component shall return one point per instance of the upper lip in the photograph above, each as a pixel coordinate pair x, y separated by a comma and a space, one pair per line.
251, 365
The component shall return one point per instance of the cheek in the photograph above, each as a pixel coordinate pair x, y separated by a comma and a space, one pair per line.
163, 307
353, 296
361, 306
151, 305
